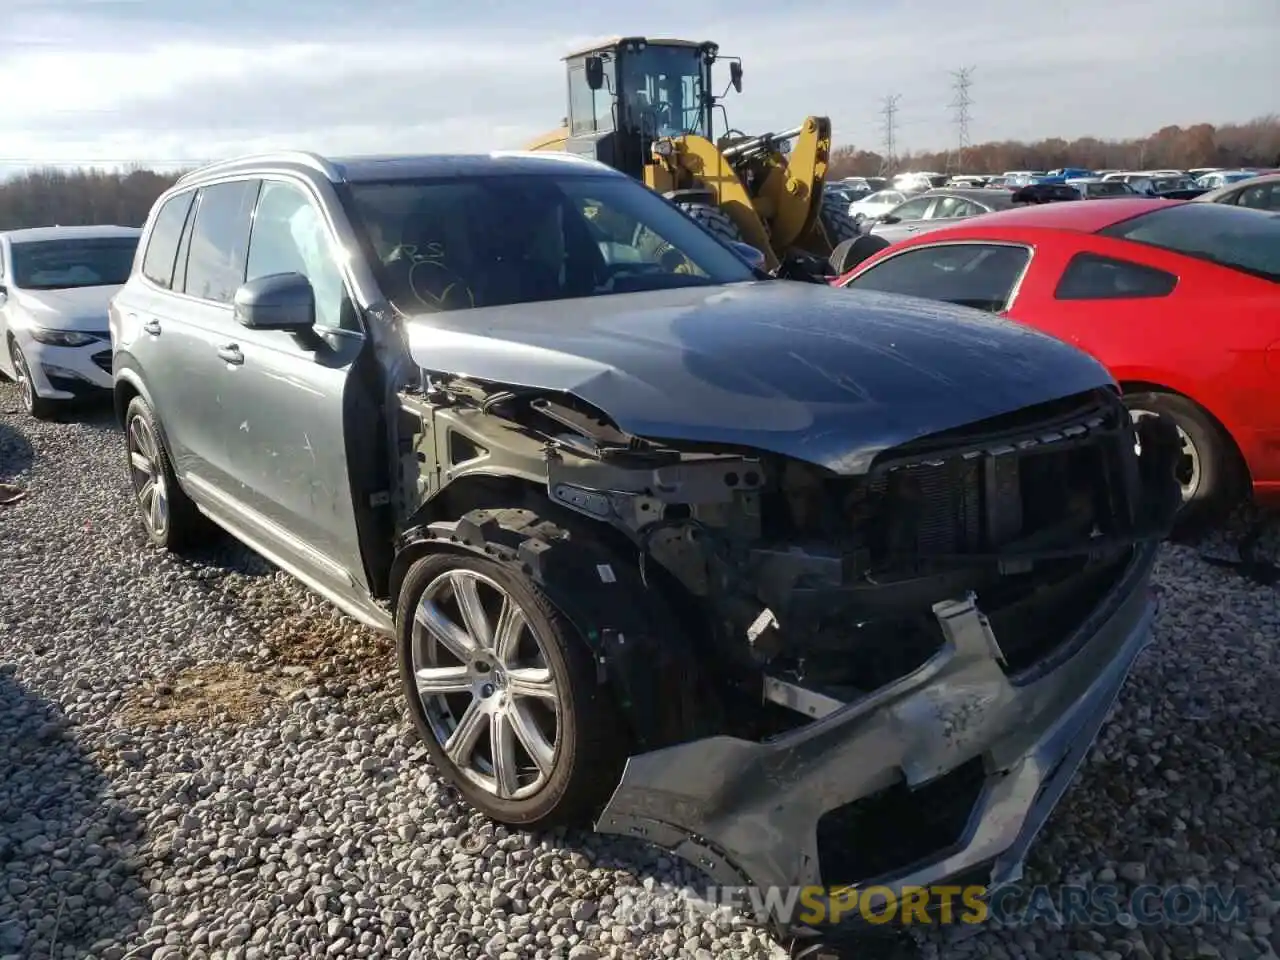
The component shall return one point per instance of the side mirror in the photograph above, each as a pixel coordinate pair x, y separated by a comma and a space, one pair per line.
747, 252
735, 75
595, 73
279, 301
890, 218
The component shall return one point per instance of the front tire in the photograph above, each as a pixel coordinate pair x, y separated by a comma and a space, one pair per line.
503, 691
714, 220
41, 408
168, 515
1210, 470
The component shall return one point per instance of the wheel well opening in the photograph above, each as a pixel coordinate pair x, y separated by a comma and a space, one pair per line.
1144, 386
123, 395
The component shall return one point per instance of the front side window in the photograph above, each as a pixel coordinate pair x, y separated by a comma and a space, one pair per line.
1264, 196
67, 264
912, 209
489, 241
219, 239
1092, 277
1243, 240
977, 275
290, 236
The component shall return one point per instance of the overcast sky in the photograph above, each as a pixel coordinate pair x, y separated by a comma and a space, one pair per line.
185, 80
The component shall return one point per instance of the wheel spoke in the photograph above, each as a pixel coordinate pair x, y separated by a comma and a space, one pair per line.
506, 770
462, 742
141, 463
506, 638
438, 681
540, 751
466, 591
157, 509
534, 682
452, 637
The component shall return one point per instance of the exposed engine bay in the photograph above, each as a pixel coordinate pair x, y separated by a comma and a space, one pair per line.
812, 589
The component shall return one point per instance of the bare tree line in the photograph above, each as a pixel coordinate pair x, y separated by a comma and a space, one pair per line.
78, 197
1252, 144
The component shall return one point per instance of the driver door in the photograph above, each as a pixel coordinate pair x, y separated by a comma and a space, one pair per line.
293, 402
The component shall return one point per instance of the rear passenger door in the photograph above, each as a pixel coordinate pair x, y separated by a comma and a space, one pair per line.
286, 397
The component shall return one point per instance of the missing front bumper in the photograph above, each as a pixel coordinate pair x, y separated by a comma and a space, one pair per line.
998, 751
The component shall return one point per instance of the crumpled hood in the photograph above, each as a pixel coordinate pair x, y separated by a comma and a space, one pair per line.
803, 370
76, 308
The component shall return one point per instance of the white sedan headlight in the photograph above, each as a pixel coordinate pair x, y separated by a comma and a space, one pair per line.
62, 338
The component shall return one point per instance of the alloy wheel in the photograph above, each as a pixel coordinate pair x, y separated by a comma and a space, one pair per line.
1188, 470
23, 375
481, 671
149, 483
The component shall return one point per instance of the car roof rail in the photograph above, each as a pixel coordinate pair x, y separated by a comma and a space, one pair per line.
302, 157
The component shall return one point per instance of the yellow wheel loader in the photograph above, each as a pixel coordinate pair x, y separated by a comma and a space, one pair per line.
645, 107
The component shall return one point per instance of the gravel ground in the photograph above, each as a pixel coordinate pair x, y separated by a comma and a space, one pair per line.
200, 759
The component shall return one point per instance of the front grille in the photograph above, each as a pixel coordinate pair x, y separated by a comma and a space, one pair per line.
1026, 486
887, 832
102, 360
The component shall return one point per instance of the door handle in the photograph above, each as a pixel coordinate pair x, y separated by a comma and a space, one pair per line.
152, 327
230, 352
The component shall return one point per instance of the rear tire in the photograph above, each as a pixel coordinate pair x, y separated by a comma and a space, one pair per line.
1210, 473
588, 748
849, 253
169, 517
713, 219
837, 223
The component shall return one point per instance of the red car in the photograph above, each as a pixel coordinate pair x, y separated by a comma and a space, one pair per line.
1180, 300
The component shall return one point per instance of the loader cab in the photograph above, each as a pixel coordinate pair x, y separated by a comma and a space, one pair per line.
627, 93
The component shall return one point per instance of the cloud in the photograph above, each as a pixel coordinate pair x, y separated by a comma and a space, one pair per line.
151, 80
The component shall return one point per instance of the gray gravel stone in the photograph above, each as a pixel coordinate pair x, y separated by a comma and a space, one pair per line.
201, 759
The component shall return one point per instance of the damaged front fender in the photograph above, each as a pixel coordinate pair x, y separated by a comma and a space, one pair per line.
970, 758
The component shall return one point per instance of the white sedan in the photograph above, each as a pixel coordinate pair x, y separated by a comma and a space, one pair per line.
55, 284
875, 205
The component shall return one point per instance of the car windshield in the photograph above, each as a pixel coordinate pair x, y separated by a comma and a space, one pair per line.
1242, 239
460, 242
64, 264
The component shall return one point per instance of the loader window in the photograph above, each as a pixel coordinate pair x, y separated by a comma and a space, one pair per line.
663, 88
590, 111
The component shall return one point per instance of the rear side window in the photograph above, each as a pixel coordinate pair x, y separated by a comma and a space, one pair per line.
220, 239
1244, 240
162, 245
981, 275
1092, 277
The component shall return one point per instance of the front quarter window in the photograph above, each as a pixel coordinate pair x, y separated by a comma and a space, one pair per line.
461, 242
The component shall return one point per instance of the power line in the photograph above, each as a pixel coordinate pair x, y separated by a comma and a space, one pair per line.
890, 114
961, 81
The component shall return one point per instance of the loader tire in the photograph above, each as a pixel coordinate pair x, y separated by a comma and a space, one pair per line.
834, 214
715, 220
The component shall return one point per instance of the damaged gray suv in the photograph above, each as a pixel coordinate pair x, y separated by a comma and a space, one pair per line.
809, 588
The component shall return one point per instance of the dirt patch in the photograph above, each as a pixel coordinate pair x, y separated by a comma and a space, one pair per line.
324, 648
207, 694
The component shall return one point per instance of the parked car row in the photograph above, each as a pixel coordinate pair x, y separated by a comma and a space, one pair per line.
576, 455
